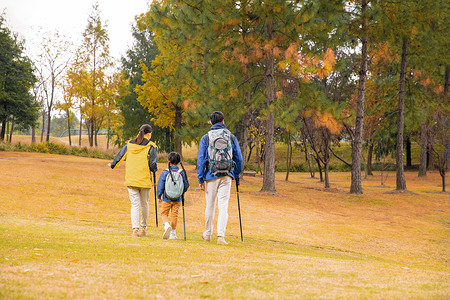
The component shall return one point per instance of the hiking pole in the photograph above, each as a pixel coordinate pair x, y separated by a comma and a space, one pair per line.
239, 207
156, 205
184, 221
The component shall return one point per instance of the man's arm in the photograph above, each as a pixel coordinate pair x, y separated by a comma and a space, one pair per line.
237, 158
201, 159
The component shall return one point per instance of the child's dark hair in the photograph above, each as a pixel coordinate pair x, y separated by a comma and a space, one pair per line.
174, 158
143, 131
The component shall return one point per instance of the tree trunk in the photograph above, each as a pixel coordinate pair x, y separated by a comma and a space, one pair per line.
327, 180
355, 187
33, 134
326, 160
243, 140
258, 158
423, 151
108, 132
81, 128
368, 166
269, 147
68, 127
3, 132
178, 116
308, 158
319, 166
95, 135
442, 172
47, 136
430, 156
401, 182
408, 152
251, 146
43, 125
288, 156
11, 131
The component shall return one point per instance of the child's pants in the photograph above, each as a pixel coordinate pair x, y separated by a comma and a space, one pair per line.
166, 206
217, 188
139, 199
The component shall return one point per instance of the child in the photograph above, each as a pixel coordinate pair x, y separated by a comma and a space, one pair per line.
168, 204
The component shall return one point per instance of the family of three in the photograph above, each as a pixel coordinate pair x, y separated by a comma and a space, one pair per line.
219, 162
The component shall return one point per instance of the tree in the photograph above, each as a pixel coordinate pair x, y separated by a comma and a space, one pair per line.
355, 187
88, 74
51, 63
16, 80
143, 51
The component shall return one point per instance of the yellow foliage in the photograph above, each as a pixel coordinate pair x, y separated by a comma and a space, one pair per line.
279, 94
324, 120
291, 52
277, 52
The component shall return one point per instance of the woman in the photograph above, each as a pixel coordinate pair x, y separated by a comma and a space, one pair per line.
140, 155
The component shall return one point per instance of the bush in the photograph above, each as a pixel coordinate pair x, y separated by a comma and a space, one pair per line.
340, 167
55, 148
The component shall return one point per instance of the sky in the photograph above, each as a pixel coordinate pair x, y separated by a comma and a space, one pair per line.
69, 18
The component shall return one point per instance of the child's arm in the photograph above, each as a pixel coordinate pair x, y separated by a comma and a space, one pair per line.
161, 184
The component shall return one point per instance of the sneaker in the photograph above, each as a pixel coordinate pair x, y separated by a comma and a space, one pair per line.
135, 232
221, 241
206, 238
167, 230
173, 236
143, 231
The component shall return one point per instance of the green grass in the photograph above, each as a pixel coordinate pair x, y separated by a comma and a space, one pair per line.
49, 258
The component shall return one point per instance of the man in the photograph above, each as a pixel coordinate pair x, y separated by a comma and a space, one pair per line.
219, 162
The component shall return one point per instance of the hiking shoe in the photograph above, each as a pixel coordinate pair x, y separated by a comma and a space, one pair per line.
167, 230
173, 236
135, 232
221, 241
206, 238
143, 231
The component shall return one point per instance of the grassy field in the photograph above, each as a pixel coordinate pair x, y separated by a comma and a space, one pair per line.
65, 233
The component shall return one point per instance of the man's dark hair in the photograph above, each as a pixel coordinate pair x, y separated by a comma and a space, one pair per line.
216, 117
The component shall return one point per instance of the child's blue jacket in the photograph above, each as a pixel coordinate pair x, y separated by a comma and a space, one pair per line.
162, 183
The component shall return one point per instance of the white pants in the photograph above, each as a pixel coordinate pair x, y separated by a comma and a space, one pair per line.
218, 188
139, 199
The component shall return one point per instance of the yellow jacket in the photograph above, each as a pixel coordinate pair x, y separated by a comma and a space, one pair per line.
137, 171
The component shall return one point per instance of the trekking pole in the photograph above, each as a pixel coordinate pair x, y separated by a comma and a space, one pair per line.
184, 221
156, 205
239, 207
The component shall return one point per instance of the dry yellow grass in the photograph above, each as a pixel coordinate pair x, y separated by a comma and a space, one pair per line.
64, 229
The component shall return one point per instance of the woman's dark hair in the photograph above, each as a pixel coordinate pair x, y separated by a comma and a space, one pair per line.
216, 117
174, 158
142, 131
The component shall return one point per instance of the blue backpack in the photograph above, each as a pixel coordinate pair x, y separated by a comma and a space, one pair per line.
174, 187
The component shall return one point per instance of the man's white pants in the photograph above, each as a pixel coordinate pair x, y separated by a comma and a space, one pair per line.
218, 188
139, 199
